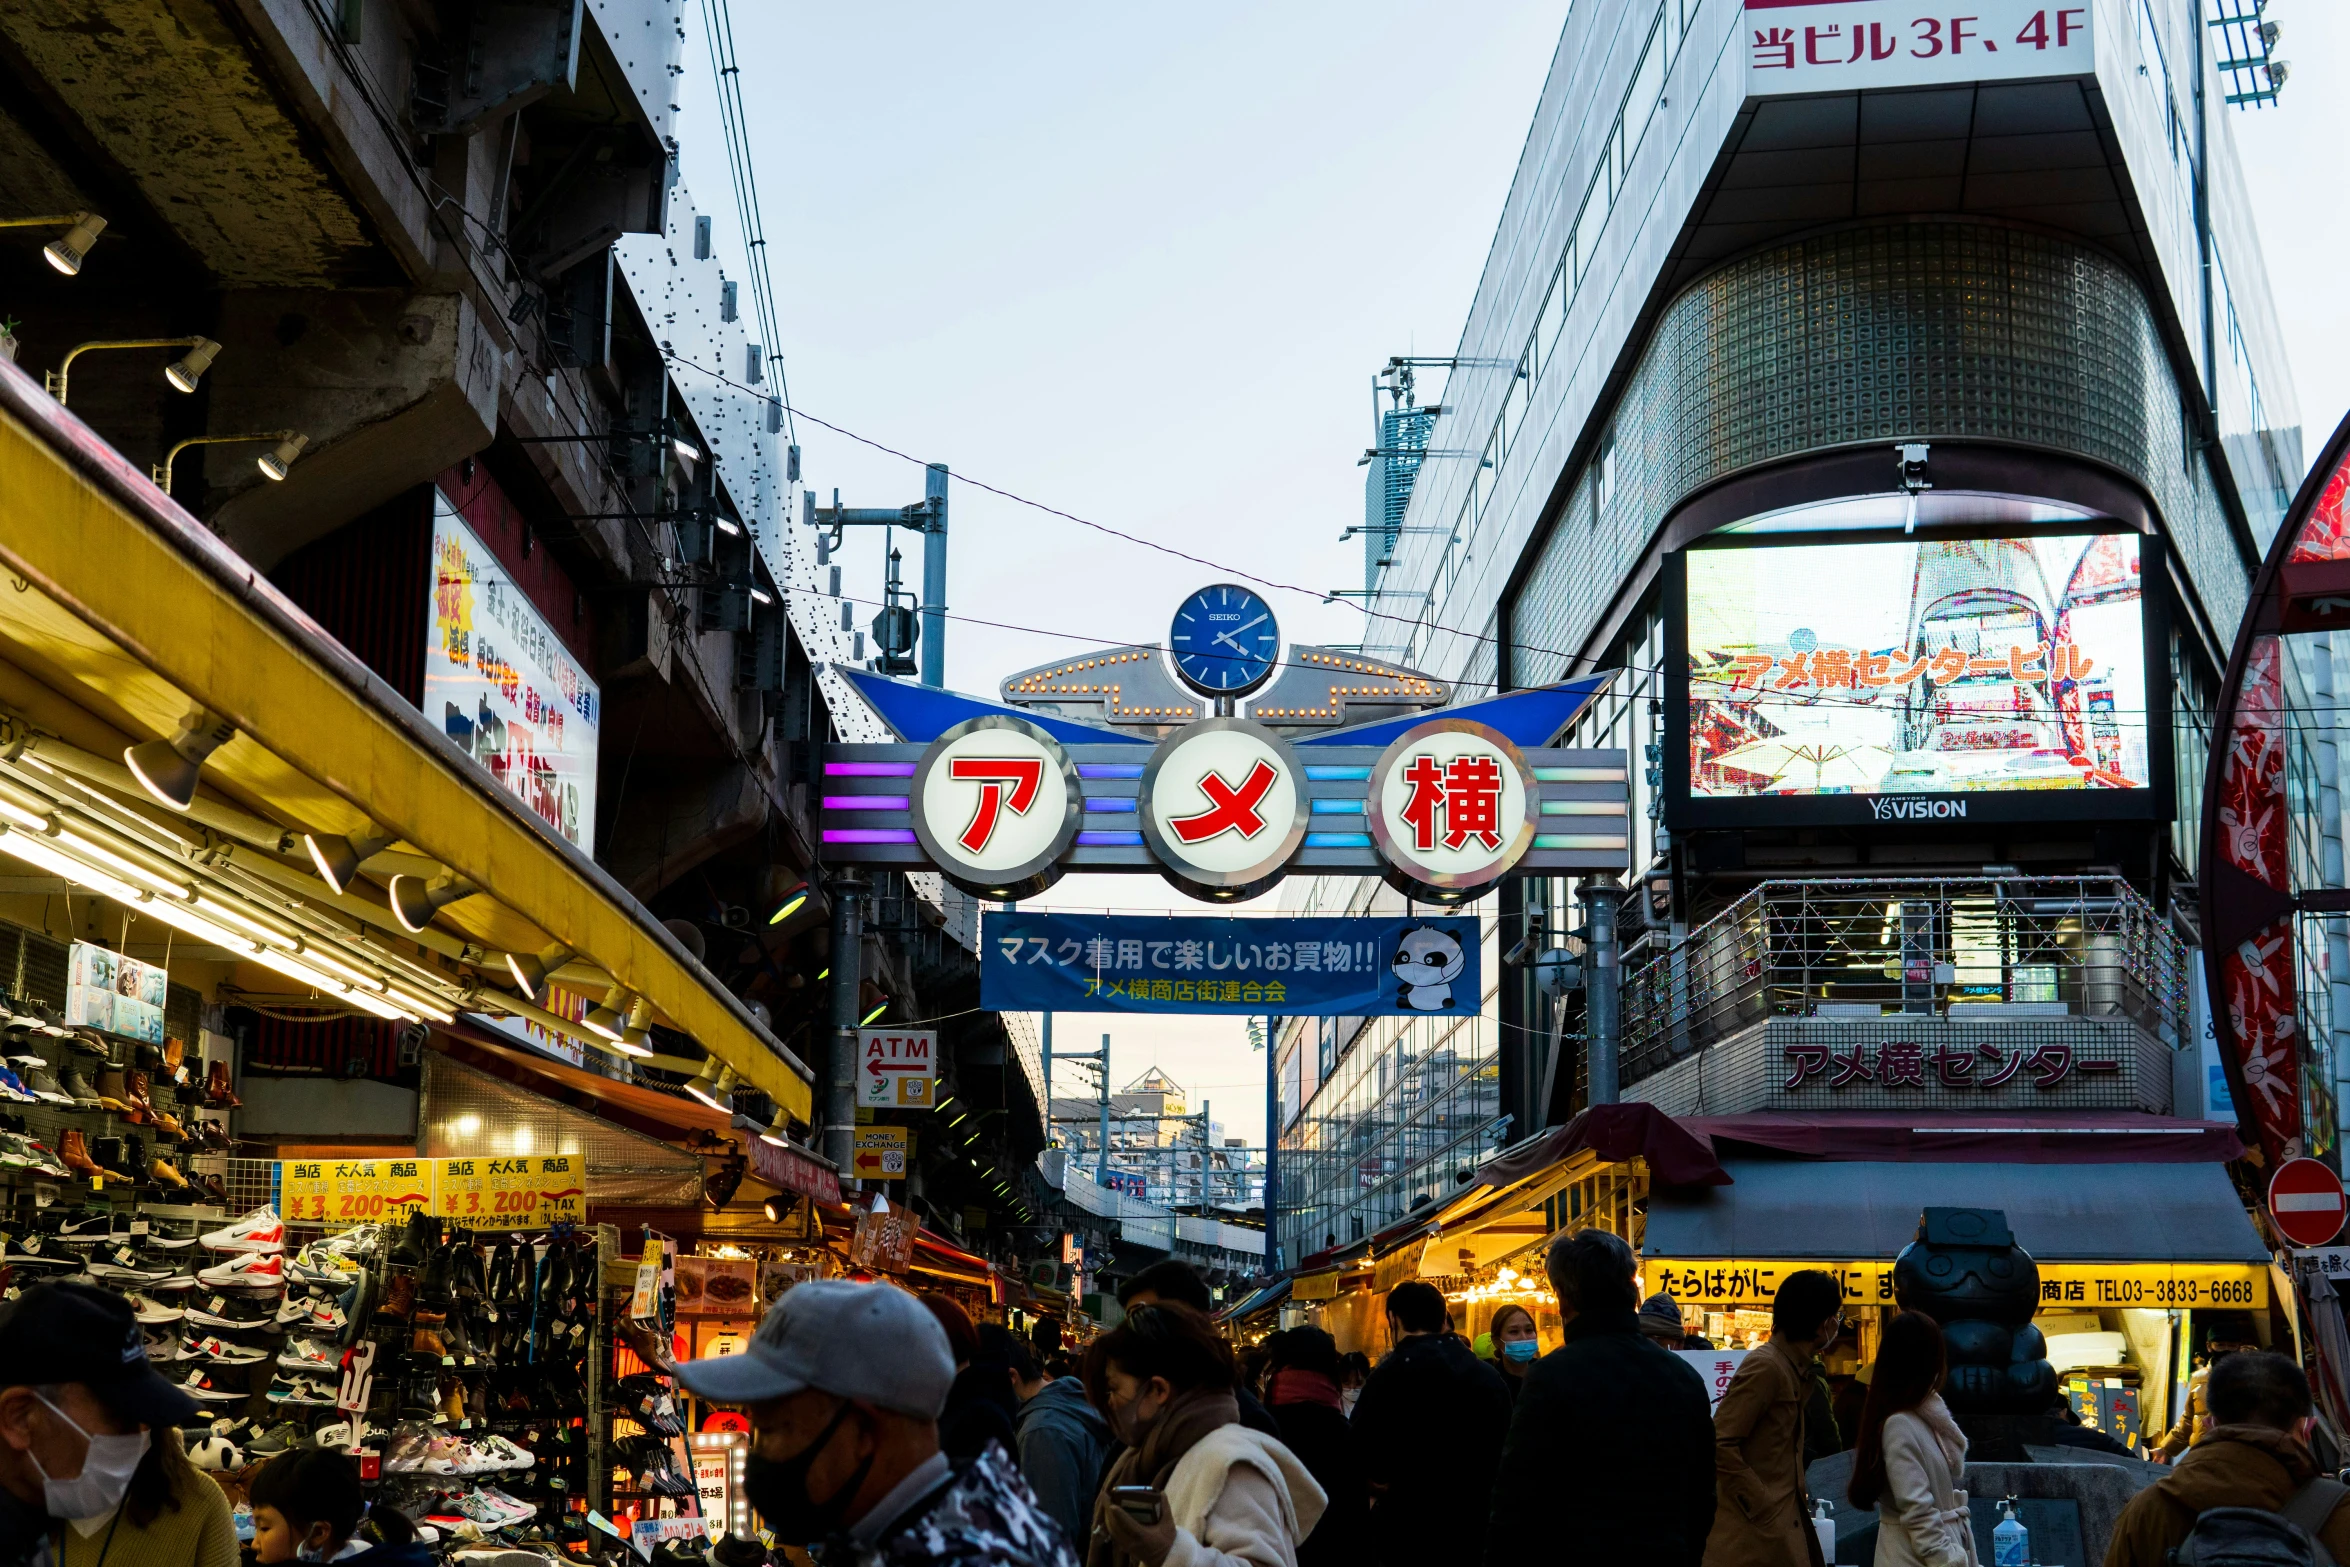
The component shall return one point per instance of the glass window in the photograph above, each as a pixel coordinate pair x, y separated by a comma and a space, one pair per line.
1587, 226
1554, 309
1648, 85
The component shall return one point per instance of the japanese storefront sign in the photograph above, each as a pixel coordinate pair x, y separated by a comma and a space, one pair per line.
884, 1238
896, 1068
1223, 806
340, 1193
1453, 807
879, 1154
722, 1287
121, 995
501, 683
480, 1193
1905, 1063
1716, 1285
1292, 967
1811, 46
1717, 1366
995, 802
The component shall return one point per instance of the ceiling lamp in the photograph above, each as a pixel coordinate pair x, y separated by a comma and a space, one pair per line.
790, 905
530, 970
415, 901
778, 1133
714, 1084
184, 372
274, 463
168, 768
610, 1015
636, 1029
338, 858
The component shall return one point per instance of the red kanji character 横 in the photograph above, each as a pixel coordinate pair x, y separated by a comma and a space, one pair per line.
1831, 668
1419, 812
1901, 1063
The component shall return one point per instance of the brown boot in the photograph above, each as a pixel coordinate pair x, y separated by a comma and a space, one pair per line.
399, 1302
135, 1094
112, 1091
74, 1153
175, 1052
217, 1092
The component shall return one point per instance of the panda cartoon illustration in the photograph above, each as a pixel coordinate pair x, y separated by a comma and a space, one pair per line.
1427, 960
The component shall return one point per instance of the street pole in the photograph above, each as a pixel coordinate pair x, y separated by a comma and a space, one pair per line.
1048, 1080
1272, 1149
1603, 998
934, 578
1101, 1162
848, 942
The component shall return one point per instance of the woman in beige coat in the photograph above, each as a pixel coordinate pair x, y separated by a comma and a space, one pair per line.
1911, 1455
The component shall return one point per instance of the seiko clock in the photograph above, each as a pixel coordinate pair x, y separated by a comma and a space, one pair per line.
1225, 641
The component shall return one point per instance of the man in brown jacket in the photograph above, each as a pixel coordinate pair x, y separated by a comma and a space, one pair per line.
2254, 1455
1760, 1519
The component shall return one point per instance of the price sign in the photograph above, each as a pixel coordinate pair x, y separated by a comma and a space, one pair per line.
339, 1193
512, 1193
562, 1188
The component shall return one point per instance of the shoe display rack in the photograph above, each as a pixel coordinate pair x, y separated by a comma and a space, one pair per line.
650, 1466
106, 1117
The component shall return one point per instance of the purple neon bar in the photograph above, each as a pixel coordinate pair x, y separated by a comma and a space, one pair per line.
1108, 840
868, 769
865, 802
868, 835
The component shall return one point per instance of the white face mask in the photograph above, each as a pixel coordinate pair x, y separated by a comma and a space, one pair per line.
106, 1474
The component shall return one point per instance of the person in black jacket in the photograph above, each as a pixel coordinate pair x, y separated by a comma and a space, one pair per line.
1429, 1429
1304, 1398
1177, 1282
1610, 1457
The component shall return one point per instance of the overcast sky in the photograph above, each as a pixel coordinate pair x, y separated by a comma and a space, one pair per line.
1141, 265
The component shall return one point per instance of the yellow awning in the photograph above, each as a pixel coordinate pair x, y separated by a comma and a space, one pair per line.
120, 615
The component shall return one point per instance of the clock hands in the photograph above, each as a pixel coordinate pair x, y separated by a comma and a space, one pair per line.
1227, 636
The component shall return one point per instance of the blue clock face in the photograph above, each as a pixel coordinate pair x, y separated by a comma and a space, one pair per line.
1225, 641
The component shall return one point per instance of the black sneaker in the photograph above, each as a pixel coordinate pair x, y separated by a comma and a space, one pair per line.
220, 1310
38, 1251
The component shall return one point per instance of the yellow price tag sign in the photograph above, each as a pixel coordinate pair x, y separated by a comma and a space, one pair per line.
340, 1193
515, 1192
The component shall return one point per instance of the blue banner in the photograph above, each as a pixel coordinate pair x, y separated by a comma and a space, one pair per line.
1286, 967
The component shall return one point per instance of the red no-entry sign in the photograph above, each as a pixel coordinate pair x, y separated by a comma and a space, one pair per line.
2305, 1200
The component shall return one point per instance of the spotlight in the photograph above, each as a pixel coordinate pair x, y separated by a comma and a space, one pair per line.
772, 1210
790, 905
713, 1084
275, 463
876, 1012
685, 448
728, 526
638, 1025
415, 901
608, 1016
65, 252
338, 858
778, 1133
722, 1180
183, 373
167, 769
530, 970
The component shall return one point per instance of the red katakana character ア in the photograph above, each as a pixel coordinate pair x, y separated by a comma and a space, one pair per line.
1472, 801
1748, 669
1803, 1063
1901, 1064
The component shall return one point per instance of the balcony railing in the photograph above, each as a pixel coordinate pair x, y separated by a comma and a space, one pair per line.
1977, 949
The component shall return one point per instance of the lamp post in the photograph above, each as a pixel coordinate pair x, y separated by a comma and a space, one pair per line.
273, 464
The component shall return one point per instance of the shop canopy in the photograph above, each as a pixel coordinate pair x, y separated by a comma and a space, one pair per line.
1800, 1209
129, 622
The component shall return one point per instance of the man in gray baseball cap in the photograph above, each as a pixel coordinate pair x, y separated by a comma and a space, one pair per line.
844, 1384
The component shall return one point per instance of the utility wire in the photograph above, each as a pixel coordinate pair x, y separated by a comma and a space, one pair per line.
718, 29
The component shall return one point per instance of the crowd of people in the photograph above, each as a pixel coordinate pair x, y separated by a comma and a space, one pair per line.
889, 1430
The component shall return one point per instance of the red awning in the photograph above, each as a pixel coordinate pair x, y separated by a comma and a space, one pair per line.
791, 1170
1678, 1154
664, 1116
1972, 1137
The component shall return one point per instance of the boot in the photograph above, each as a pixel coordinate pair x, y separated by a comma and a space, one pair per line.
163, 1173
217, 1092
135, 1095
112, 1092
419, 1242
175, 1055
133, 1163
74, 1153
399, 1302
107, 1154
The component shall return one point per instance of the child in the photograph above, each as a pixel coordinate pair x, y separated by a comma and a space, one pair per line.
307, 1507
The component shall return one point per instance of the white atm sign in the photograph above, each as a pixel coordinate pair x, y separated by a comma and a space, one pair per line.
896, 1069
1809, 46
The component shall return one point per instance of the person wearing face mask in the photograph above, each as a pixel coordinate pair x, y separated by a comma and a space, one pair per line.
1304, 1397
1516, 1347
1225, 1495
308, 1507
73, 1443
844, 1384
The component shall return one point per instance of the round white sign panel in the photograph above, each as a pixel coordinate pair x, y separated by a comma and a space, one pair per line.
1222, 806
995, 803
1452, 806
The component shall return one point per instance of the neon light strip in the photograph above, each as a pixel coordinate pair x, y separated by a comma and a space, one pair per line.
865, 802
868, 835
1580, 774
871, 770
1339, 807
1337, 774
1127, 806
1109, 840
1570, 840
1338, 840
1108, 770
1582, 807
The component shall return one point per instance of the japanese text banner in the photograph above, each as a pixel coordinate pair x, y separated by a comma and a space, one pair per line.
1288, 967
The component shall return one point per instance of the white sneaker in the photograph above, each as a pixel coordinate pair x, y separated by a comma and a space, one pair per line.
307, 1314
309, 1355
261, 1230
223, 1351
247, 1270
333, 1437
152, 1312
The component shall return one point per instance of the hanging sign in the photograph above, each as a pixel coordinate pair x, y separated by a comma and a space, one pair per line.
339, 1193
879, 1154
884, 1238
1452, 807
121, 995
1289, 967
896, 1068
1223, 808
995, 803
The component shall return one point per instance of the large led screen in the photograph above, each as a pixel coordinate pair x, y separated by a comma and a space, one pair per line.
1943, 666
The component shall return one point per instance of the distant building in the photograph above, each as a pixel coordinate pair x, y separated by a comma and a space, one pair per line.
1159, 1149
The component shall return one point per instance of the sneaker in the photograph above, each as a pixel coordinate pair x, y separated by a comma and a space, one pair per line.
228, 1354
303, 1390
509, 1454
216, 1453
405, 1452
164, 1346
246, 1270
230, 1311
152, 1312
39, 1252
313, 1356
259, 1231
283, 1437
307, 1314
214, 1387
511, 1510
172, 1284
76, 1085
336, 1435
44, 1085
122, 1262
440, 1456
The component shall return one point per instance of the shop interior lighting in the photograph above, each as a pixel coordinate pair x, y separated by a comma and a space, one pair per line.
876, 1012
778, 1132
636, 1029
273, 464
167, 769
773, 1210
610, 1015
66, 251
415, 901
182, 373
727, 525
338, 858
792, 901
685, 448
713, 1084
760, 595
530, 969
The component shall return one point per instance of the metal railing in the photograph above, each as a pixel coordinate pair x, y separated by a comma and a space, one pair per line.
1989, 948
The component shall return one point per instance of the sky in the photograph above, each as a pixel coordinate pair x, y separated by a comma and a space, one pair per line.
1140, 266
